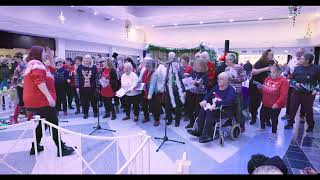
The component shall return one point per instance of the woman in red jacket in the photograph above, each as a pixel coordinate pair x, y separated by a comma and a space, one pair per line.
39, 94
108, 76
274, 98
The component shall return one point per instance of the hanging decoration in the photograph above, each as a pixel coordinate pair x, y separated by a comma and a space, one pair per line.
308, 32
127, 26
294, 11
61, 17
202, 47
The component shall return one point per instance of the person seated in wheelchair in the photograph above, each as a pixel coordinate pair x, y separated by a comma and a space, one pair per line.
222, 94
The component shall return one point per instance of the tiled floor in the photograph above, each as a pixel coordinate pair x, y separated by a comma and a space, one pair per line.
297, 148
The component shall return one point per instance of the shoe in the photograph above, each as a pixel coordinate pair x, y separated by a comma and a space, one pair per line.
100, 105
113, 117
205, 139
66, 150
169, 122
125, 118
156, 123
268, 124
33, 151
285, 117
194, 132
77, 112
145, 120
189, 126
106, 116
136, 119
70, 107
85, 116
95, 115
288, 126
252, 122
273, 136
309, 129
177, 123
65, 113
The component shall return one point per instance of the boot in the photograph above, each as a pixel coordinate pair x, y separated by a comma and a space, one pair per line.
66, 150
77, 112
156, 122
177, 123
85, 116
136, 119
146, 120
190, 125
33, 151
169, 122
14, 119
113, 114
71, 107
106, 115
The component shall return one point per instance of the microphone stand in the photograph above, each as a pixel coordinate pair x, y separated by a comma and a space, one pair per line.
98, 127
165, 137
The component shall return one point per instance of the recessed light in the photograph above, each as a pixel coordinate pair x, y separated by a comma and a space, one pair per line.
152, 25
175, 24
286, 51
72, 6
95, 12
260, 18
201, 22
112, 19
231, 20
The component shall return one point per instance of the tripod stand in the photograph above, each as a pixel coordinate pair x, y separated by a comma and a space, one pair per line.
98, 127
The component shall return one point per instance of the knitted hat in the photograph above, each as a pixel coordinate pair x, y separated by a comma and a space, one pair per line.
115, 55
277, 162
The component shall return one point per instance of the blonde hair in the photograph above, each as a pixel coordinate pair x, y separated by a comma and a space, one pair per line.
224, 75
200, 65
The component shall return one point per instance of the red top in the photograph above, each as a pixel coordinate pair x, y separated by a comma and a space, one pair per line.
72, 72
35, 74
146, 80
275, 91
188, 69
107, 91
211, 73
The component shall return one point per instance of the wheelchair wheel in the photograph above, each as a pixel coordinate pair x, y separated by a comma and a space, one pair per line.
235, 132
221, 140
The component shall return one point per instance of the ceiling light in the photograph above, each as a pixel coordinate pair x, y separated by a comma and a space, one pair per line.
72, 6
201, 22
152, 25
61, 18
112, 19
231, 20
175, 24
260, 18
286, 51
95, 12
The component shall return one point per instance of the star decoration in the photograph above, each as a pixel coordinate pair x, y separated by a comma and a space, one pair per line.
61, 17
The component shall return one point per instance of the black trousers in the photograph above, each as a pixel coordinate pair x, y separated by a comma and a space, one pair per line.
254, 100
116, 101
49, 113
108, 106
76, 97
289, 102
169, 108
266, 114
69, 94
153, 106
20, 96
206, 121
132, 100
88, 96
192, 106
61, 97
306, 101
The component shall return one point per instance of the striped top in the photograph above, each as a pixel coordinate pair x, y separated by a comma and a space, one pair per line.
238, 75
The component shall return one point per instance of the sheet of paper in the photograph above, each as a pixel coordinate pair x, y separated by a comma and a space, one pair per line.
121, 92
187, 83
104, 82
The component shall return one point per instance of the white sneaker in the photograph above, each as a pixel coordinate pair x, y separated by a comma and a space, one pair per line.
273, 136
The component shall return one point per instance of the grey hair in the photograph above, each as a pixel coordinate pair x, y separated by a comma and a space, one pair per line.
197, 55
128, 65
171, 55
204, 55
232, 56
224, 75
200, 65
267, 170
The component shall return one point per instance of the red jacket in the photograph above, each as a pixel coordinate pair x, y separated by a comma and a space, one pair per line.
107, 91
35, 74
72, 72
187, 69
211, 73
275, 91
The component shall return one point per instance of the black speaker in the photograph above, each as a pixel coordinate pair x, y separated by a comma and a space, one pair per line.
226, 46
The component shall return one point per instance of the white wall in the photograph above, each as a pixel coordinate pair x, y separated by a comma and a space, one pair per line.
255, 34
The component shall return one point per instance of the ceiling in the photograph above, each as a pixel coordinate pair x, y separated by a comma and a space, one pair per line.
153, 16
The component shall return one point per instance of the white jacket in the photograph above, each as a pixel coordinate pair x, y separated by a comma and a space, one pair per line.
162, 73
128, 82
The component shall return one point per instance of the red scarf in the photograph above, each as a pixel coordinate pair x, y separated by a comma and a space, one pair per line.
146, 80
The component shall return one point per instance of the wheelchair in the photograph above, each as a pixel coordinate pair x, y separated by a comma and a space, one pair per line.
227, 124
